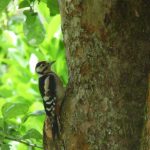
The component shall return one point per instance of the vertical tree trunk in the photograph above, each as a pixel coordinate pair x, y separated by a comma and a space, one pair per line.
108, 53
145, 141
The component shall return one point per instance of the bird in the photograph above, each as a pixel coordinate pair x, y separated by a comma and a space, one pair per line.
52, 92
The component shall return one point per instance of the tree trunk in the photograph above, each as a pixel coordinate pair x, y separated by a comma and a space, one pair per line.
145, 141
108, 54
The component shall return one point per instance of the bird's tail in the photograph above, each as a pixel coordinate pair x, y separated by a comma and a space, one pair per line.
55, 128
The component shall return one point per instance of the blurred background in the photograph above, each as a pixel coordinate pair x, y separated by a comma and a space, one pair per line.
30, 31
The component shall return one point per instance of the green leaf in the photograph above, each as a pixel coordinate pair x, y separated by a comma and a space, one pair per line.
12, 110
35, 113
54, 27
5, 91
5, 147
44, 1
53, 7
1, 31
1, 136
32, 133
33, 28
3, 4
21, 146
1, 123
24, 4
32, 1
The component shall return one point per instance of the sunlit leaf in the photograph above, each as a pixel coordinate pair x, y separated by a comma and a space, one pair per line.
11, 110
5, 91
32, 133
22, 147
33, 28
1, 31
55, 26
35, 113
23, 100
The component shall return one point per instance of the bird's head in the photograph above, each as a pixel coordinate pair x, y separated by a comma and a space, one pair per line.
43, 67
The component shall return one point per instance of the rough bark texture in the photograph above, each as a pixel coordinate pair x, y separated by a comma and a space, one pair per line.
47, 136
145, 141
108, 53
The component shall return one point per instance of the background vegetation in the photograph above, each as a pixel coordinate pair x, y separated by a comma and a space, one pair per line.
29, 31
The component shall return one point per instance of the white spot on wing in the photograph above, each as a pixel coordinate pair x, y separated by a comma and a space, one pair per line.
48, 109
50, 102
38, 69
46, 98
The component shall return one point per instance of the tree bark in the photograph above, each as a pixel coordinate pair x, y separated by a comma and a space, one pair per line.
145, 142
108, 54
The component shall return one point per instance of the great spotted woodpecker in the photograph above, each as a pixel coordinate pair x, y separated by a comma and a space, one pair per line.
52, 92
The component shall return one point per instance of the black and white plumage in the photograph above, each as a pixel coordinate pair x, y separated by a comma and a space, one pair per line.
52, 92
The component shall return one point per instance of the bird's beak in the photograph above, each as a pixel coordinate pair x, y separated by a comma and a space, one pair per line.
52, 62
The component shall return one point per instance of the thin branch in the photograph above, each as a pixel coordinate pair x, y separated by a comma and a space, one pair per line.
23, 142
2, 142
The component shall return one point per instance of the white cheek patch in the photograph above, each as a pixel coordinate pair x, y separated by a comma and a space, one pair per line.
40, 68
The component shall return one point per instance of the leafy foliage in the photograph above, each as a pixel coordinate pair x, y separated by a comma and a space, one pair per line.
12, 110
33, 28
27, 34
4, 5
32, 133
53, 6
